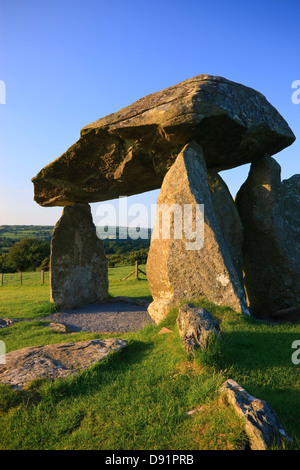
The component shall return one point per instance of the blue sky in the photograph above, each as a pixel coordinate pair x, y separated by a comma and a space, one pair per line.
67, 63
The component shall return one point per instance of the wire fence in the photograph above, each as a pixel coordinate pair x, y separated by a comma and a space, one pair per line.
27, 277
43, 277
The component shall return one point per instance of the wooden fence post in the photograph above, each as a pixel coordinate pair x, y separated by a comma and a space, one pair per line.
42, 275
136, 269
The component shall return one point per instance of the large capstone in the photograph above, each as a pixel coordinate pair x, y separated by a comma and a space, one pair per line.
184, 265
130, 151
78, 261
270, 258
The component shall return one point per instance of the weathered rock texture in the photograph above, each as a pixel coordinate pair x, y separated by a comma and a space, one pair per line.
6, 322
229, 219
262, 425
196, 327
290, 194
130, 151
176, 273
271, 270
55, 361
78, 262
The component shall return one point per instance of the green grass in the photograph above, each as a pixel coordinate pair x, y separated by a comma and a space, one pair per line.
139, 398
18, 232
131, 287
31, 299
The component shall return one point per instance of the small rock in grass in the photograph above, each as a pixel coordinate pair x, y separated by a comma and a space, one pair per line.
262, 425
196, 326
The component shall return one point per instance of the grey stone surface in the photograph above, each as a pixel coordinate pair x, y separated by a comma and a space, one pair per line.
290, 194
229, 220
184, 269
114, 316
78, 274
55, 361
271, 267
130, 151
262, 425
6, 322
196, 327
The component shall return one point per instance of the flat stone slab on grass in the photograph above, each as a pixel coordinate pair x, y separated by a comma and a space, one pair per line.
262, 425
55, 360
5, 322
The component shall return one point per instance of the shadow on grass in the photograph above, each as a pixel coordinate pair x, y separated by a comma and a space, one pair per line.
257, 350
261, 362
86, 382
100, 375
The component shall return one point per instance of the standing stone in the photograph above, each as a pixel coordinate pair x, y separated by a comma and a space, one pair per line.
271, 274
229, 219
183, 267
290, 193
78, 262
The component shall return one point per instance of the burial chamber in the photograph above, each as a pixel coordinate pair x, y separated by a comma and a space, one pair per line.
204, 124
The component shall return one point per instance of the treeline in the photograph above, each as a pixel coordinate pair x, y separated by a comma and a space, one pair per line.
20, 253
10, 234
28, 254
126, 252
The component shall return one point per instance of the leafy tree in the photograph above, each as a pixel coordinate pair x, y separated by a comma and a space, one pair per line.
4, 265
27, 254
45, 264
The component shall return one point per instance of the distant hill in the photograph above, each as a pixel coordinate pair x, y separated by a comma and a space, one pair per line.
17, 232
23, 231
122, 245
9, 234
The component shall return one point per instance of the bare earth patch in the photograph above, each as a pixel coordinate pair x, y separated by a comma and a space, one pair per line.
115, 316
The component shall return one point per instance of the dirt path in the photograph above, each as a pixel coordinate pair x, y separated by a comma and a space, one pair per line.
114, 316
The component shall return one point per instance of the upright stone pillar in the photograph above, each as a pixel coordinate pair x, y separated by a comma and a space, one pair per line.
179, 269
229, 219
78, 274
270, 262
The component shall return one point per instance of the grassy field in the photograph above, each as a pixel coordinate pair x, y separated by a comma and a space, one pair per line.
31, 299
139, 398
18, 232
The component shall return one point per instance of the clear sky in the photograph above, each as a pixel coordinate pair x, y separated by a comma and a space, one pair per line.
66, 63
